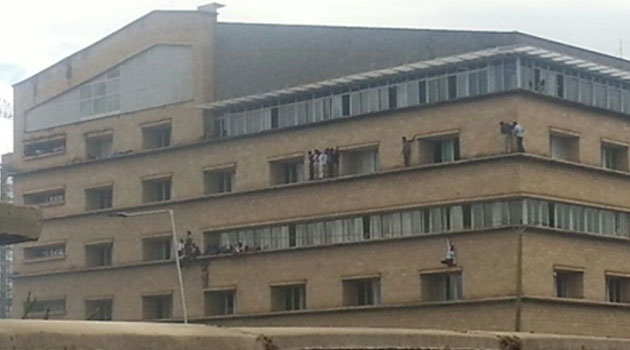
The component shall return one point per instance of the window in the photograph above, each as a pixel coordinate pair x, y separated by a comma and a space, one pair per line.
288, 297
156, 190
155, 307
564, 146
45, 147
219, 128
452, 87
43, 308
421, 91
618, 289
218, 181
439, 149
420, 221
392, 96
614, 157
568, 283
214, 125
442, 286
156, 248
98, 146
98, 254
362, 292
220, 302
360, 161
287, 171
560, 85
57, 250
158, 76
446, 150
274, 118
98, 198
345, 105
98, 310
43, 198
100, 96
156, 136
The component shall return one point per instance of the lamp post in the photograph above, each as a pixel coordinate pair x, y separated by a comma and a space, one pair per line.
174, 237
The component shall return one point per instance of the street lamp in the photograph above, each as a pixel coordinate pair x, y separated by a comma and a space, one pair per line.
173, 234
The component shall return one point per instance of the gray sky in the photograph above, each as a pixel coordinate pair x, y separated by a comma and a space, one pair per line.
36, 34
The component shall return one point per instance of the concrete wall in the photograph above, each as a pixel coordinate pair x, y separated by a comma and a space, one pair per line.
397, 262
476, 122
195, 28
574, 317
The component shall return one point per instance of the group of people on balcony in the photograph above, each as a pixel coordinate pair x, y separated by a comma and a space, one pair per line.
187, 250
237, 248
324, 164
511, 132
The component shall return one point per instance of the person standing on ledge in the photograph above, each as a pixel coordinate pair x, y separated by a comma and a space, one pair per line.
406, 150
506, 129
519, 132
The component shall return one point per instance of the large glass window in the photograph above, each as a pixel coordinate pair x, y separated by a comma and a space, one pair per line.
421, 221
101, 95
438, 86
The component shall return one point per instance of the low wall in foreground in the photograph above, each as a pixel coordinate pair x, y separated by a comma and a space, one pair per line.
77, 335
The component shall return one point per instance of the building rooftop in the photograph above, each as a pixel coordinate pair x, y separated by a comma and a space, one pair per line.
255, 58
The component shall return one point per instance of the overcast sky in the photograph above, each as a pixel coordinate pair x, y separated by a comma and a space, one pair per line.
36, 34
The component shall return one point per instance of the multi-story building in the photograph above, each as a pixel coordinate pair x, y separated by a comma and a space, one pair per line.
6, 253
6, 290
216, 121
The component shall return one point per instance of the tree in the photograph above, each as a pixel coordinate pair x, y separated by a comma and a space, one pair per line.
6, 110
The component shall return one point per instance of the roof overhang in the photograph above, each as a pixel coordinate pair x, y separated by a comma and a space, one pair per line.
466, 58
19, 224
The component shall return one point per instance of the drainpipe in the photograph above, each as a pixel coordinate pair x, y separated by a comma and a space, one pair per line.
519, 280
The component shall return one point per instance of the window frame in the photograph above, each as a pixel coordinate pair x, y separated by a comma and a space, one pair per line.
289, 296
362, 291
568, 282
28, 258
228, 302
55, 151
162, 195
209, 184
157, 135
442, 285
156, 297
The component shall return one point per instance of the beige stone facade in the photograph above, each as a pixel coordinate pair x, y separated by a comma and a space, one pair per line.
541, 237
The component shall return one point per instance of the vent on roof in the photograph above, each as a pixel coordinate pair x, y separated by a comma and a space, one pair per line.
211, 7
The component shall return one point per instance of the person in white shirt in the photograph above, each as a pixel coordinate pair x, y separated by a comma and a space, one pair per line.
323, 159
506, 129
450, 255
316, 167
519, 132
180, 247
